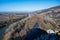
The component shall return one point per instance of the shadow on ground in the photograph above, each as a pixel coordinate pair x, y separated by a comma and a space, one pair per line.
39, 34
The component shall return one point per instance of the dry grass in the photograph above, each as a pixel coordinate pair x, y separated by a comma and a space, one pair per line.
22, 28
9, 19
45, 22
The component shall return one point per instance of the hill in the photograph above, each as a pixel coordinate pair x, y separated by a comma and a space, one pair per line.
41, 20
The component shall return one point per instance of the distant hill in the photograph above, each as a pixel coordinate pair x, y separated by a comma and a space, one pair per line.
49, 9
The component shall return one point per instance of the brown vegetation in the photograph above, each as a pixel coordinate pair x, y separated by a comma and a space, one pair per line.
9, 19
44, 19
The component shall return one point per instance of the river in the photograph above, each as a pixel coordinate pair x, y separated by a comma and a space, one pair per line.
2, 31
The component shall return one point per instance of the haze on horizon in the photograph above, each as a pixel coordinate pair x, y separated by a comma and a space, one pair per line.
26, 5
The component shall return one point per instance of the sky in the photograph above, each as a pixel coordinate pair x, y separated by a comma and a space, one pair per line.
26, 5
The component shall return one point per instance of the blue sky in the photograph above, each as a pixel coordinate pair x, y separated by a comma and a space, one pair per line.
26, 5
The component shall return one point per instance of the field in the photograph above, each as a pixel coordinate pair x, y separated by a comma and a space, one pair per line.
9, 19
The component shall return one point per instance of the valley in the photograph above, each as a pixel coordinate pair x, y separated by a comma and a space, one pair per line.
32, 25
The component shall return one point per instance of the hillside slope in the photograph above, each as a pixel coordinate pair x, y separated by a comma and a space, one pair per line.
45, 19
